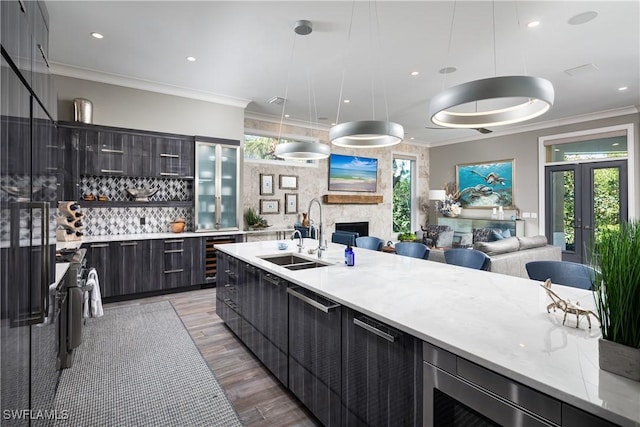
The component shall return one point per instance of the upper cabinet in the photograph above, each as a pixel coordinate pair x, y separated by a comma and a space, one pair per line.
217, 186
107, 151
173, 158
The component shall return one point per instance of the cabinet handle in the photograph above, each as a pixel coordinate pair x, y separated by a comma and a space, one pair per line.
315, 304
180, 270
129, 244
22, 8
272, 279
112, 171
374, 330
231, 304
230, 273
174, 241
250, 268
168, 174
171, 156
111, 150
174, 251
43, 55
99, 245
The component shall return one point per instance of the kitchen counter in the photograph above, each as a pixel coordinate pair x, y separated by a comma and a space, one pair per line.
148, 236
497, 321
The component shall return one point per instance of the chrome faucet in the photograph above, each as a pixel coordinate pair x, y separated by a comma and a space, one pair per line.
321, 247
293, 236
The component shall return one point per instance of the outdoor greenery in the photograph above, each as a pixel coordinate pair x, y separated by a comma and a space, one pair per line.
257, 147
401, 196
617, 286
606, 202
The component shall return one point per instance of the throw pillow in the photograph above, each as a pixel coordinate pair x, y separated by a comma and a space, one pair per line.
445, 239
481, 234
510, 244
532, 242
496, 235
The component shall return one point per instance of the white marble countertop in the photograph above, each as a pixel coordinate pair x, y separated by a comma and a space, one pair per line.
495, 320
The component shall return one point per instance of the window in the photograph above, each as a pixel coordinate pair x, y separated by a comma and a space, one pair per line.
262, 147
404, 191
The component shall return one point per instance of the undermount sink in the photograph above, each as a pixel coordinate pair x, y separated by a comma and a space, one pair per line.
294, 262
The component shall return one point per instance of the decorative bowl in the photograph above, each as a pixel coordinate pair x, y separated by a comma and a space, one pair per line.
283, 245
178, 225
142, 194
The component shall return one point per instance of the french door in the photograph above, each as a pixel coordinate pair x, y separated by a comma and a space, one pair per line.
581, 200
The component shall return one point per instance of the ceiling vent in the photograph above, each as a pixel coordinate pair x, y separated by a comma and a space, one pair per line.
582, 70
276, 100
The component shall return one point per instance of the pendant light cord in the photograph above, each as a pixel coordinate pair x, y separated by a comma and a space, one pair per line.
286, 89
446, 64
344, 61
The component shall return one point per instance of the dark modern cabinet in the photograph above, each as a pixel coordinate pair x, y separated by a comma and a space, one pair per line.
138, 266
381, 373
109, 151
173, 157
315, 327
228, 292
28, 345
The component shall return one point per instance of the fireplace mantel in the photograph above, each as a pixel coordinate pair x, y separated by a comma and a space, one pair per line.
351, 199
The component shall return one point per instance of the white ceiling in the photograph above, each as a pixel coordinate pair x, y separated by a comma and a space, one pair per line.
247, 52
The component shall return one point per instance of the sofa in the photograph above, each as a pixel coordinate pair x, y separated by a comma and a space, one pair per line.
510, 255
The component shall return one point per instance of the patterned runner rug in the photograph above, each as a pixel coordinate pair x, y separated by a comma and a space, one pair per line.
138, 366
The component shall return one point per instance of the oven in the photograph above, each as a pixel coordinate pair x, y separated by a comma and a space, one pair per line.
460, 393
70, 296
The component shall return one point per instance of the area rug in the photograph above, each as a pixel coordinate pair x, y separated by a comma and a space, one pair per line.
138, 366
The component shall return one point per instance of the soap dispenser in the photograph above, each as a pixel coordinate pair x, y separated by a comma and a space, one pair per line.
349, 256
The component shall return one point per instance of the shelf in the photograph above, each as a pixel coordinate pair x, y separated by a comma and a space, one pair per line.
133, 204
351, 199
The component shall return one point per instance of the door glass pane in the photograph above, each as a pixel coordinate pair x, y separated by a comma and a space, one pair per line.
206, 187
563, 209
606, 199
228, 217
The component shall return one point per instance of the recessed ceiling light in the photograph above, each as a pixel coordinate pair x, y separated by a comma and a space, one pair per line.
415, 73
582, 18
412, 138
447, 70
97, 35
346, 101
533, 24
615, 144
287, 115
191, 59
622, 88
556, 149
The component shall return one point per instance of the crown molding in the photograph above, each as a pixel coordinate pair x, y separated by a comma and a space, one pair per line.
119, 80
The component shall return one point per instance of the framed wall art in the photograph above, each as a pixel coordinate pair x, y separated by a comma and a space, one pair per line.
487, 184
266, 184
350, 173
291, 203
288, 182
269, 206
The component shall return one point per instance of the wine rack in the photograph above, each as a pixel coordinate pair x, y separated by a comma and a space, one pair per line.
69, 222
211, 265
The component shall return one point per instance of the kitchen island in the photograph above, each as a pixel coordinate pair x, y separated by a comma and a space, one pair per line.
496, 321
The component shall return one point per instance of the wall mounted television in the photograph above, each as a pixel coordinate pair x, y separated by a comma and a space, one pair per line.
352, 173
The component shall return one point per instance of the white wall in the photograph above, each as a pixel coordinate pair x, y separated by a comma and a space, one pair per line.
522, 147
139, 109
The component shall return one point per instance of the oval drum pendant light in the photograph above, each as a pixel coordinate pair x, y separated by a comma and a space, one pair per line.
299, 150
538, 92
365, 133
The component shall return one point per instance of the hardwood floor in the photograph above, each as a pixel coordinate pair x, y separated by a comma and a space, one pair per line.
256, 395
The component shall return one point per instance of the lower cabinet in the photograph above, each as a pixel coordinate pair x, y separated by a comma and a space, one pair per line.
314, 353
151, 265
228, 293
381, 371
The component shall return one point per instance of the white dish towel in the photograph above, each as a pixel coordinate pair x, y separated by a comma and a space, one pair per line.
92, 298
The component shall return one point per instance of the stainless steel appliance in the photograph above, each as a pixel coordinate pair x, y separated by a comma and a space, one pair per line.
460, 393
70, 295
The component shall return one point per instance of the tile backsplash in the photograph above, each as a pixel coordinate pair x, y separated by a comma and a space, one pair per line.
115, 188
118, 221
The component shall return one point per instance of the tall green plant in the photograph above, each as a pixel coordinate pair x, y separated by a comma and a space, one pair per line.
617, 287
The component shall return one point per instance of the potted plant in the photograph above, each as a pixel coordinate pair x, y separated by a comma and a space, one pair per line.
407, 237
254, 221
617, 295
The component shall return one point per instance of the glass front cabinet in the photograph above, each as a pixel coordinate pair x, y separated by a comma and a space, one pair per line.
217, 185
